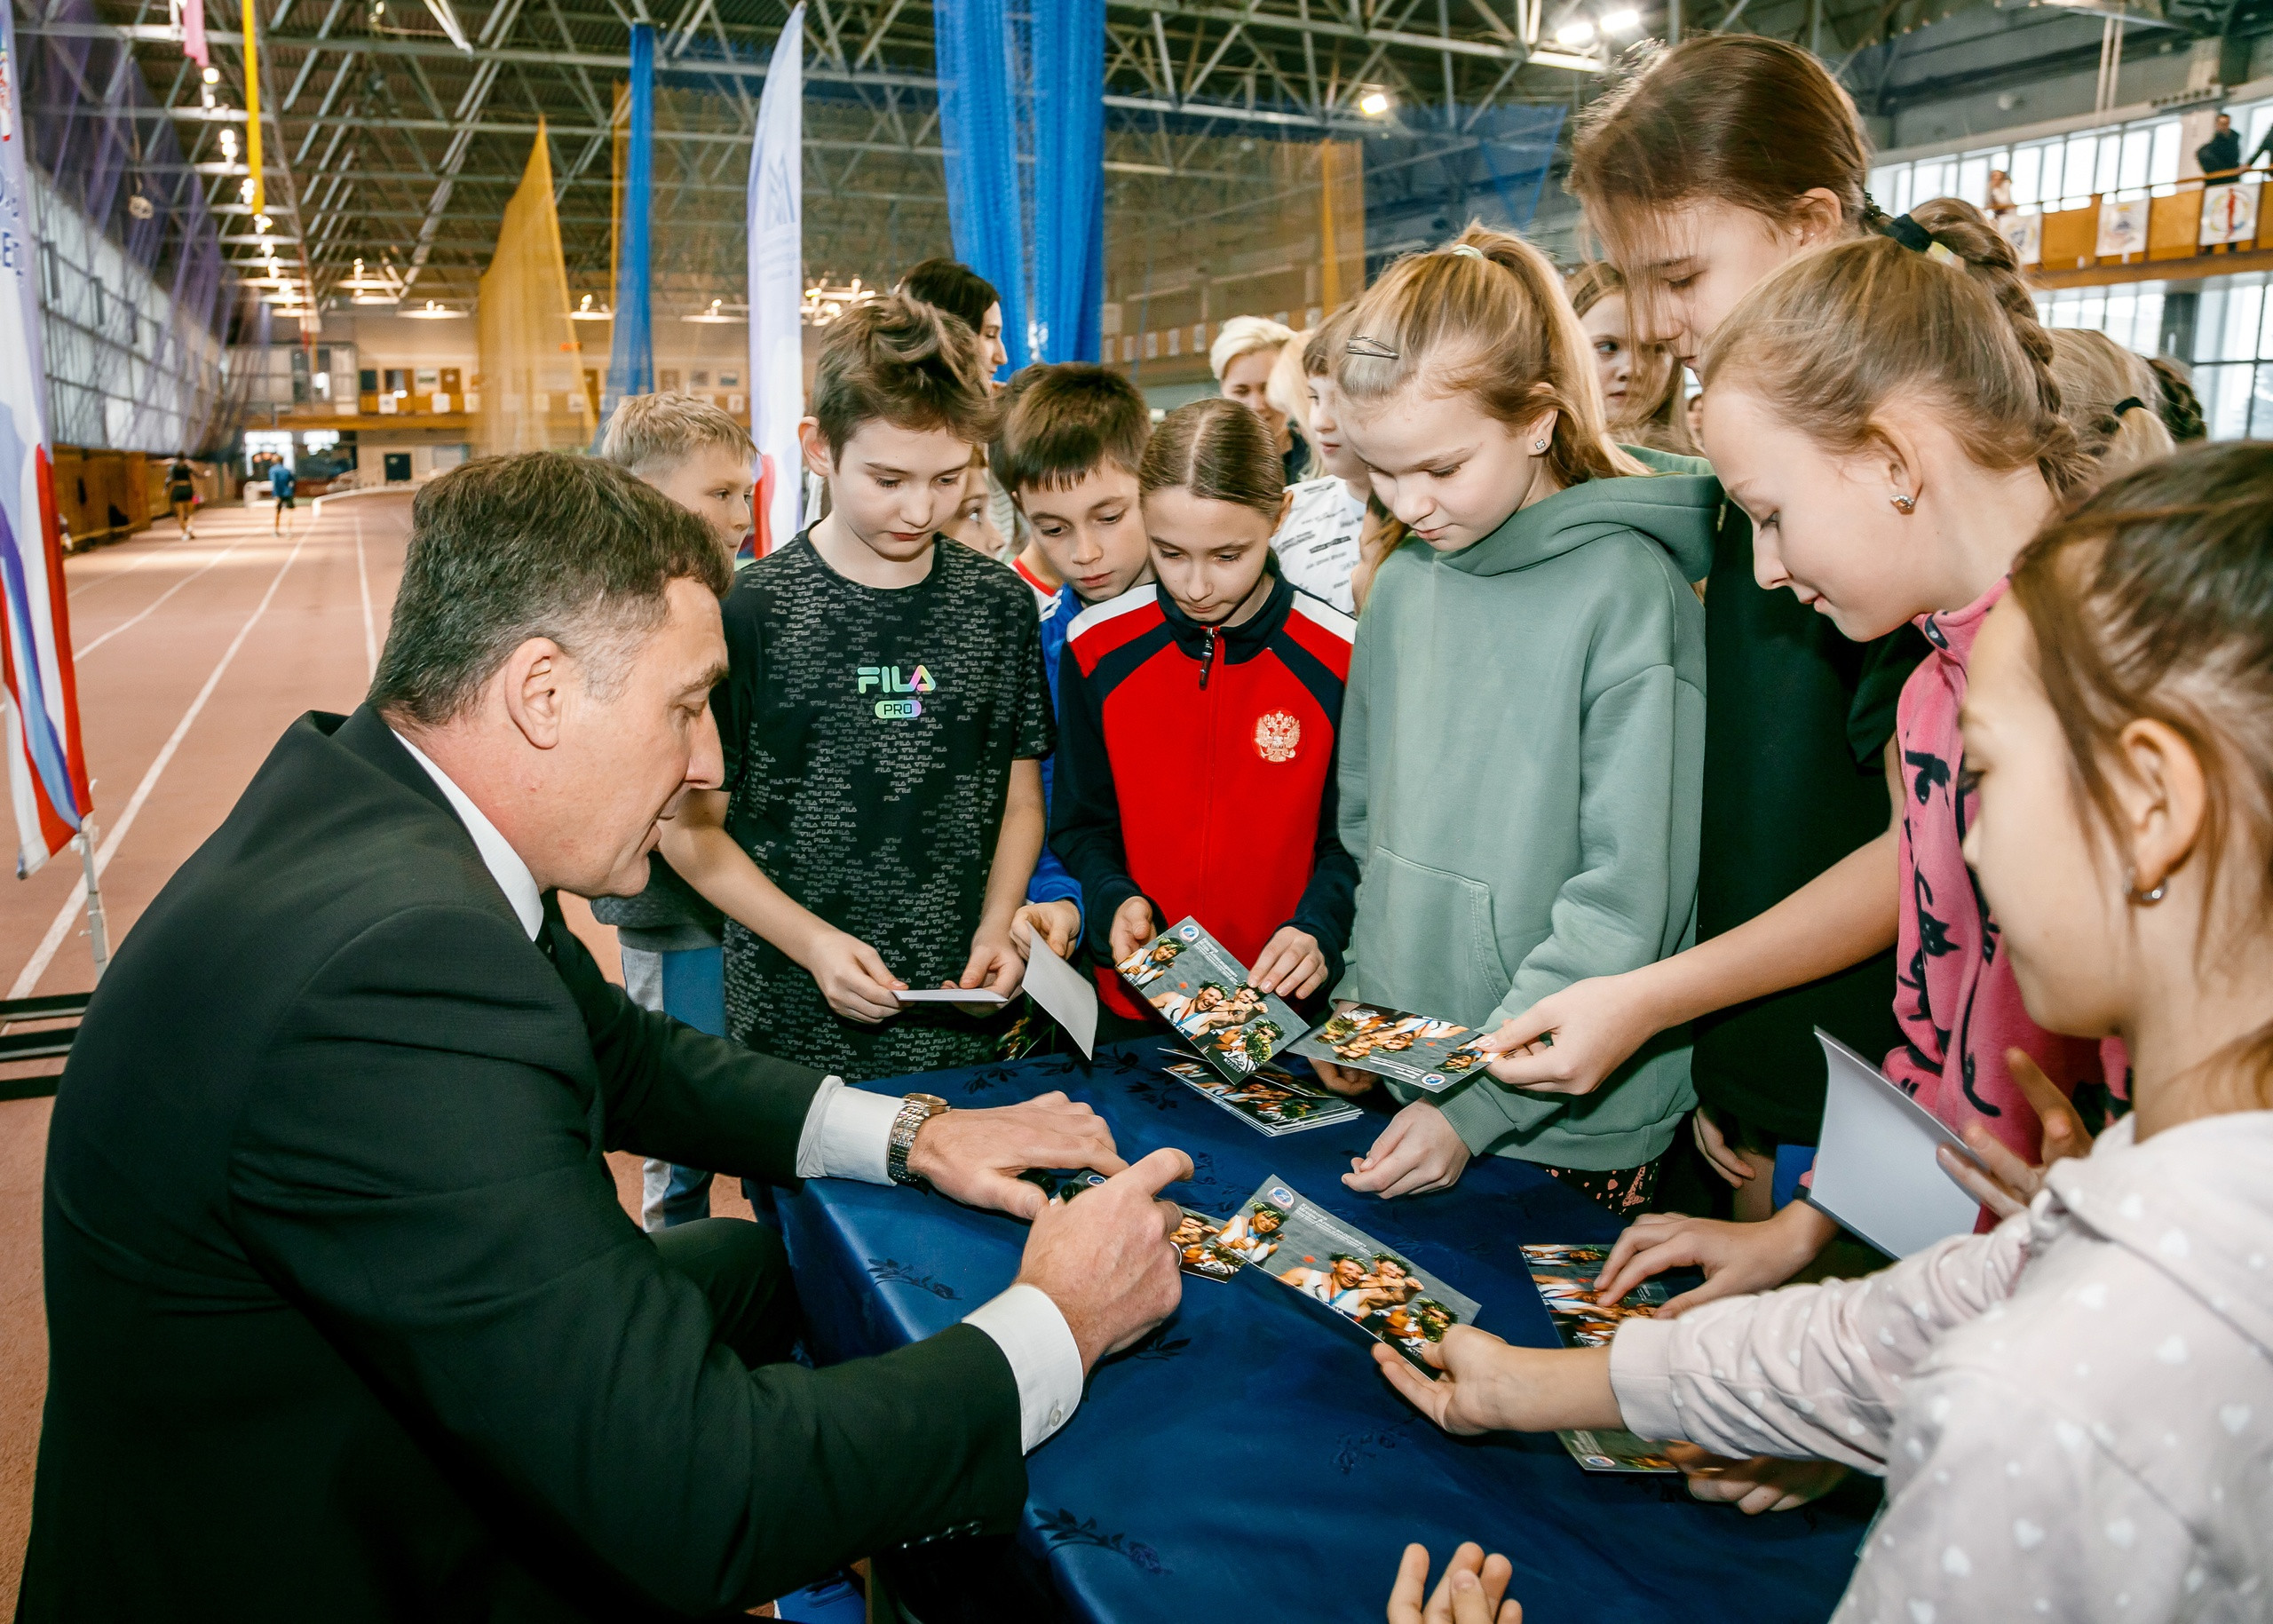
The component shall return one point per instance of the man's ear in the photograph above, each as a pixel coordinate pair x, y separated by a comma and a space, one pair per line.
534, 683
814, 446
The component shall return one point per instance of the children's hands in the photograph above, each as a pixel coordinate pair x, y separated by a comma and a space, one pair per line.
2010, 1184
1292, 965
1737, 1258
1469, 1593
1132, 928
852, 978
995, 964
1592, 1027
1462, 1400
1762, 1484
1059, 923
1719, 1154
1418, 1151
1343, 1079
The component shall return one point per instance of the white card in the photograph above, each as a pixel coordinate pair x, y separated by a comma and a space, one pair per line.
1070, 996
949, 994
1875, 1170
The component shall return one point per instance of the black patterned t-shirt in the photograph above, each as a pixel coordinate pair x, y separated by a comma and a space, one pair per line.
868, 734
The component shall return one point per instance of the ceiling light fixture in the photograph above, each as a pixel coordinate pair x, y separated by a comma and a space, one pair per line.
1577, 31
1623, 21
433, 312
585, 312
1372, 104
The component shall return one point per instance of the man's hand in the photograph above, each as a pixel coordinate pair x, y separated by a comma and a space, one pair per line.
1595, 1026
1059, 923
1737, 1258
995, 964
2010, 1184
852, 976
1419, 1151
1292, 965
975, 1156
1469, 1593
1132, 928
1105, 1259
1762, 1484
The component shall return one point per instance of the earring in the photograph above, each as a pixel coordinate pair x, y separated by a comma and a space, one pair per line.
1539, 448
1905, 503
2141, 899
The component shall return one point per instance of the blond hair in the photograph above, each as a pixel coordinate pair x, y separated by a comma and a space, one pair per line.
2111, 398
1661, 421
1243, 336
1829, 338
1485, 318
651, 434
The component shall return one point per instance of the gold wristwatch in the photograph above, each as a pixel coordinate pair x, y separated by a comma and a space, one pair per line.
915, 1110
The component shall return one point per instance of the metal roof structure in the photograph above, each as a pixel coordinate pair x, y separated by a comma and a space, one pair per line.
396, 130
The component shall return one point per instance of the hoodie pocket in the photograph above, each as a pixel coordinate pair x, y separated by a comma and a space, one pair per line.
1426, 942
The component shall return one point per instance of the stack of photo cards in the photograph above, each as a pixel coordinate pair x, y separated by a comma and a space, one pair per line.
1567, 1276
1419, 1049
1203, 992
1343, 1270
1272, 1101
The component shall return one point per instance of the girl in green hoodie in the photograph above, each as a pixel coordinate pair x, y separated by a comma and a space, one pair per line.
1523, 740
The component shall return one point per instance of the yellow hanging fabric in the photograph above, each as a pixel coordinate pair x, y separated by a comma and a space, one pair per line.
1342, 221
531, 388
252, 112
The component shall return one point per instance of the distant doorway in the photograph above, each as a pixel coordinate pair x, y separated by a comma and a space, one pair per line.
398, 467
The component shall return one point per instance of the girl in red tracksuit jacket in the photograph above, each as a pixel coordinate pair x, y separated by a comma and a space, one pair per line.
1197, 721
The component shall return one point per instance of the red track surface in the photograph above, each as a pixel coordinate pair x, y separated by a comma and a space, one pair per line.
194, 654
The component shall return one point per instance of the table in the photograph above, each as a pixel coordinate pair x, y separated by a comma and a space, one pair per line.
1246, 1462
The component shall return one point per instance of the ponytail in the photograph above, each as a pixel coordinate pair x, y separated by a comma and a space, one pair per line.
2109, 396
1485, 318
1936, 308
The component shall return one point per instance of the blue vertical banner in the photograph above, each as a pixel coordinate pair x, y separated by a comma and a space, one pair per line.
39, 711
1068, 120
981, 67
777, 249
631, 358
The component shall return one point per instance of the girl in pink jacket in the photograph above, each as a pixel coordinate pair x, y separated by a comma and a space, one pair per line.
2073, 1412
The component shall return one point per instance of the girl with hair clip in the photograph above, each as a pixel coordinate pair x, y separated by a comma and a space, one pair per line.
1642, 393
1729, 156
1535, 649
2110, 398
2074, 1412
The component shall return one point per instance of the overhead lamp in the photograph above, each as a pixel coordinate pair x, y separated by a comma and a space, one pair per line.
1372, 104
585, 312
713, 315
1577, 31
213, 75
1623, 21
433, 312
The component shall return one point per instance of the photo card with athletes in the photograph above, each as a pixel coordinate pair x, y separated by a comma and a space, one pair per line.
1272, 1101
1423, 1050
1194, 1240
1204, 993
1343, 1270
1566, 1274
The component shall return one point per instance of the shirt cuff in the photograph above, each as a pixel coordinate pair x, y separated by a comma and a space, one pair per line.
1641, 1378
847, 1134
1044, 1358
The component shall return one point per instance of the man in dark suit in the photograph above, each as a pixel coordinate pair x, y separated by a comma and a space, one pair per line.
345, 1321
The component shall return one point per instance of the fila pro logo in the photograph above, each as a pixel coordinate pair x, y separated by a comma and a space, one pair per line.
887, 679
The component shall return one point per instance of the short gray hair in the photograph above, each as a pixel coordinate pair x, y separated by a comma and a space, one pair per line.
542, 544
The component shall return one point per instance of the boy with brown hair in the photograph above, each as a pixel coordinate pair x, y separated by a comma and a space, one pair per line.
1071, 438
669, 936
883, 726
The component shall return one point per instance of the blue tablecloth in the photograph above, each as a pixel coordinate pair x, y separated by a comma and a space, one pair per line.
1248, 1462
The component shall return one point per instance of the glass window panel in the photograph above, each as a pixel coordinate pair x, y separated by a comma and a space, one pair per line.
2048, 159
1881, 183
2261, 414
2109, 165
2239, 340
2093, 312
2206, 321
1901, 203
2162, 171
2259, 120
2226, 400
2147, 337
1973, 182
2122, 315
2138, 146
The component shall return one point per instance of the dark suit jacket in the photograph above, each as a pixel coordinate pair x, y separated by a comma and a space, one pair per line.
345, 1319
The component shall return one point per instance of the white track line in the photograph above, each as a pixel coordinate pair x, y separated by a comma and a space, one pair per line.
363, 579
147, 554
129, 625
57, 934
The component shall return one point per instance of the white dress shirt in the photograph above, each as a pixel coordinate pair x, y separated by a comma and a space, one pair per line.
847, 1135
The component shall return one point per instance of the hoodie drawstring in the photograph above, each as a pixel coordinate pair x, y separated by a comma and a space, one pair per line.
1207, 652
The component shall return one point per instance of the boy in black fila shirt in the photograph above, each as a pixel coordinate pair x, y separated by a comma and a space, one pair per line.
883, 726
